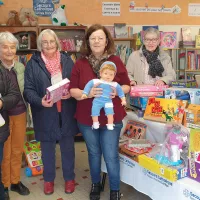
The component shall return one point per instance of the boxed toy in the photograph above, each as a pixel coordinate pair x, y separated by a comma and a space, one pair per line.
184, 84
194, 155
192, 116
139, 102
192, 95
165, 110
170, 173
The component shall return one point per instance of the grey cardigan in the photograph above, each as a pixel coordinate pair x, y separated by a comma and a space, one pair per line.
137, 63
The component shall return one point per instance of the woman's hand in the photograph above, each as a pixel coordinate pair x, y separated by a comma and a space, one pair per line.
159, 83
95, 92
66, 96
47, 103
133, 83
113, 94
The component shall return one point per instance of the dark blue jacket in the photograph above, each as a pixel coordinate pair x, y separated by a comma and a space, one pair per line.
46, 121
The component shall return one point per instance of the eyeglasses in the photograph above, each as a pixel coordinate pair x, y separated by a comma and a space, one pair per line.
99, 39
153, 40
46, 43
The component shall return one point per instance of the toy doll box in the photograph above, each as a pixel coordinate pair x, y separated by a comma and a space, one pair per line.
165, 110
192, 95
139, 102
172, 174
194, 155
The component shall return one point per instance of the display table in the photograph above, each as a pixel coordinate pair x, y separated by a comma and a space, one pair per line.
153, 185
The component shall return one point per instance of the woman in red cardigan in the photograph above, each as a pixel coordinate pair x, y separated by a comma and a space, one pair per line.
98, 47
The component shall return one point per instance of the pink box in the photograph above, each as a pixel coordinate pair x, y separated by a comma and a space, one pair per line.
146, 94
148, 88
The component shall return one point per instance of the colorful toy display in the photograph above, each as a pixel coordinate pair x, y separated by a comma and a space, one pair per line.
33, 157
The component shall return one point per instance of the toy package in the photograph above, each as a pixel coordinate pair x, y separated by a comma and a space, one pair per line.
194, 155
33, 157
139, 102
184, 84
174, 151
165, 110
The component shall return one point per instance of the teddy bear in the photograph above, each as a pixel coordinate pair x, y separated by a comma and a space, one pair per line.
13, 19
28, 17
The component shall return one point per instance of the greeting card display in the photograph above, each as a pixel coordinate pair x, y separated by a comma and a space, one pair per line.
165, 110
168, 39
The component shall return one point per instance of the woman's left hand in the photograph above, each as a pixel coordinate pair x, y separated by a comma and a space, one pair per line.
159, 83
113, 93
66, 96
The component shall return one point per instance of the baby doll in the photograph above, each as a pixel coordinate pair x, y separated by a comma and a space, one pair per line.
107, 73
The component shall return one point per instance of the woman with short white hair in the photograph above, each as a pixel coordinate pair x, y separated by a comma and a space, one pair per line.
13, 148
150, 64
52, 121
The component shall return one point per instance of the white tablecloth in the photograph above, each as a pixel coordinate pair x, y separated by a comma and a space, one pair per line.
155, 186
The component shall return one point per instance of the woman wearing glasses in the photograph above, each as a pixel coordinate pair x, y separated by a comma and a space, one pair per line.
150, 64
52, 121
98, 47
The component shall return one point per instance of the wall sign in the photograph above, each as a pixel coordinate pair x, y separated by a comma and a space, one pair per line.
194, 9
43, 7
111, 8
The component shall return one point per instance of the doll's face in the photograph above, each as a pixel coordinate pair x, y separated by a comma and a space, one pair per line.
107, 75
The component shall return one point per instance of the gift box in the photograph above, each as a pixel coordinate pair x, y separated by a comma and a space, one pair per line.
171, 173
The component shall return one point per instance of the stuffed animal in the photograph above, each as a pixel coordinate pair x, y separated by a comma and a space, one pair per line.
28, 17
58, 16
13, 19
78, 45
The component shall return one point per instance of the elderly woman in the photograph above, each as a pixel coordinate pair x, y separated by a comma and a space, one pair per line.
150, 65
13, 148
9, 96
52, 121
97, 48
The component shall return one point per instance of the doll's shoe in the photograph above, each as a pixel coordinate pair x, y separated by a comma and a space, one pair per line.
110, 126
95, 125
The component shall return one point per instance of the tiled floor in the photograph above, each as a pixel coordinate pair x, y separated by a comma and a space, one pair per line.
35, 184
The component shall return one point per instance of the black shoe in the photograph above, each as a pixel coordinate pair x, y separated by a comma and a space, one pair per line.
6, 194
20, 188
95, 191
115, 195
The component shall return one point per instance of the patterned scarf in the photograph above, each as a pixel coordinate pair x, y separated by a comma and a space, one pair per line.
53, 65
155, 66
96, 63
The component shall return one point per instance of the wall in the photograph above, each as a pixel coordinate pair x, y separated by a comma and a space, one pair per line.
90, 11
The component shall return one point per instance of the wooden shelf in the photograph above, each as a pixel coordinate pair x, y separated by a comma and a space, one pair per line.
192, 70
124, 39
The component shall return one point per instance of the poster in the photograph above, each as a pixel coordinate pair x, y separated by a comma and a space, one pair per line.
194, 9
43, 8
111, 8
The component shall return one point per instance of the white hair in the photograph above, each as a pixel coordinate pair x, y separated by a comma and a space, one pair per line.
153, 31
8, 37
50, 32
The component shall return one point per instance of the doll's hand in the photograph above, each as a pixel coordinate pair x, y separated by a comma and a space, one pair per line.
159, 83
133, 83
95, 92
84, 96
113, 93
66, 96
47, 103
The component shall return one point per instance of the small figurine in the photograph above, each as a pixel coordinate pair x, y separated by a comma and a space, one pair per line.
107, 73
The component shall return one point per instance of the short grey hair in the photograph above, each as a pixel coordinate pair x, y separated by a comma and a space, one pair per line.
50, 32
8, 37
152, 30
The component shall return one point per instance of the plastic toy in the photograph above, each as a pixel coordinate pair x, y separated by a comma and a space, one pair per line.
58, 16
33, 157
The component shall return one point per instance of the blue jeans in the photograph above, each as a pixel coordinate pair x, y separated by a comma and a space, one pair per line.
103, 141
1, 184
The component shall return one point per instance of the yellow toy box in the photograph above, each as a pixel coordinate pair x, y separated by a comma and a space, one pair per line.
170, 173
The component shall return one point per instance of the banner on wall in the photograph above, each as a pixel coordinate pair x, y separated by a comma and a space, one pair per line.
111, 8
133, 8
43, 8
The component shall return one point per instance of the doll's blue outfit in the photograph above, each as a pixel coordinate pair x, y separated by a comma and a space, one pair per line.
104, 101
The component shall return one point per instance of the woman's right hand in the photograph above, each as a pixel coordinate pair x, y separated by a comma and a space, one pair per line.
95, 92
47, 103
133, 83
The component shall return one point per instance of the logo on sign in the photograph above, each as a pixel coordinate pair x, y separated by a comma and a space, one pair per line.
190, 195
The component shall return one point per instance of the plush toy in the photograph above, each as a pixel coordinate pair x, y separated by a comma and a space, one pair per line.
13, 19
28, 17
78, 45
107, 73
58, 16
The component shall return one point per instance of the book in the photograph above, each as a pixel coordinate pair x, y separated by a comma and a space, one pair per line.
144, 28
121, 30
168, 39
111, 30
186, 34
165, 110
197, 41
56, 91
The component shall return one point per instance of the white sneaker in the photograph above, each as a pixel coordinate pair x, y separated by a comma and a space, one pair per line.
95, 125
110, 126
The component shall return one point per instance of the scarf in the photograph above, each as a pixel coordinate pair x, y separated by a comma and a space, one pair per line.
96, 63
155, 66
53, 65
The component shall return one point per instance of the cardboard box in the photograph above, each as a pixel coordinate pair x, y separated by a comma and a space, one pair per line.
171, 173
184, 84
192, 116
139, 102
